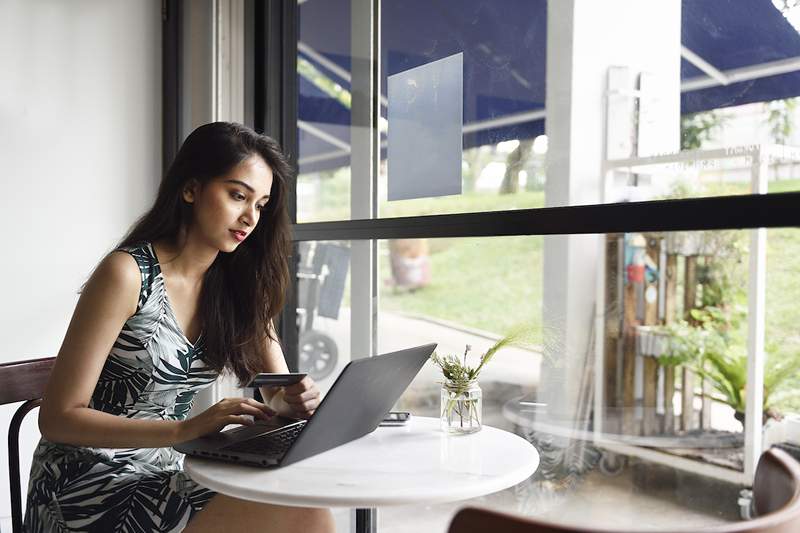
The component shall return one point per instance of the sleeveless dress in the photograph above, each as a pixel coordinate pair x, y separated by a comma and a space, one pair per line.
152, 372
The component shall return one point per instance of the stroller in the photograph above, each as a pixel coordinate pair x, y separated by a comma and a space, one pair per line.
321, 277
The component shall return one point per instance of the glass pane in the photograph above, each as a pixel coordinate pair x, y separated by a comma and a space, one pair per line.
675, 318
690, 111
325, 78
657, 121
782, 336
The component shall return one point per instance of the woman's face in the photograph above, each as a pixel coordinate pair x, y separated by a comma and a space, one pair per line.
227, 208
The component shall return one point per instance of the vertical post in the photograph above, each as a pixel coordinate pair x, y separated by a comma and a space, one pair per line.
650, 421
669, 393
364, 159
649, 401
755, 325
271, 33
577, 73
171, 69
705, 387
687, 383
365, 520
602, 338
629, 423
670, 300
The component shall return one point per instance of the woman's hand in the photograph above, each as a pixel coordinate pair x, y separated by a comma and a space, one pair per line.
222, 413
302, 398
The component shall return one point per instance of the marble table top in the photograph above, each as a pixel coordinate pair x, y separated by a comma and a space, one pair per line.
415, 463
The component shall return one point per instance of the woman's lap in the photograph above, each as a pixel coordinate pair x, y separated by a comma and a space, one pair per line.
113, 497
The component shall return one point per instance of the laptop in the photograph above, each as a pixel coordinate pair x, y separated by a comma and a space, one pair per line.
359, 399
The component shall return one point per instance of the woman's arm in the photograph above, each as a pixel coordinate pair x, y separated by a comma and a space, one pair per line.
109, 298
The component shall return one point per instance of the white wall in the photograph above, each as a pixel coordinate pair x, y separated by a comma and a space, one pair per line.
80, 147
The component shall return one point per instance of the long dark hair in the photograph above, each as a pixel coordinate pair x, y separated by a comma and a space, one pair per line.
245, 289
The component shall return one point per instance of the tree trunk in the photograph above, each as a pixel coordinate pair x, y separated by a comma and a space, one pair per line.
514, 163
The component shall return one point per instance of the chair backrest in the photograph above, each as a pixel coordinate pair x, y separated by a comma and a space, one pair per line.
24, 380
777, 501
21, 381
776, 484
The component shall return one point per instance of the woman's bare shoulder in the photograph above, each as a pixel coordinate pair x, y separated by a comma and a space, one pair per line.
117, 274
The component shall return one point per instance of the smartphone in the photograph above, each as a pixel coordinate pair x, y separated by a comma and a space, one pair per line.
396, 418
276, 380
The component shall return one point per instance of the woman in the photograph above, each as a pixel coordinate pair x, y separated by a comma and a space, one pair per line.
190, 292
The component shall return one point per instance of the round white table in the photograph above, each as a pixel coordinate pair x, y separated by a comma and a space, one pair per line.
415, 463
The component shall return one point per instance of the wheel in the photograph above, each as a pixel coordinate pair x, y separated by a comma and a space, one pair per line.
612, 464
318, 354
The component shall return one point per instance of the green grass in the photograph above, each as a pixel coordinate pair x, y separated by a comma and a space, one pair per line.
470, 202
484, 283
334, 201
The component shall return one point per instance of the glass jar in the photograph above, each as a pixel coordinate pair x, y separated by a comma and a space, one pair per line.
461, 407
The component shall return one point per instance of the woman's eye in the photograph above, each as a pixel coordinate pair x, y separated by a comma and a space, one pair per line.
260, 207
237, 196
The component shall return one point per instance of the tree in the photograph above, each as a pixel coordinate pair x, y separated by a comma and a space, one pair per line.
696, 128
780, 118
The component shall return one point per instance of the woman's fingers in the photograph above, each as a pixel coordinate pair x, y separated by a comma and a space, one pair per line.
239, 419
262, 406
306, 384
309, 405
301, 398
246, 409
246, 405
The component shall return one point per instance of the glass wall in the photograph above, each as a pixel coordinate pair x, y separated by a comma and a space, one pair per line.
670, 364
632, 382
719, 131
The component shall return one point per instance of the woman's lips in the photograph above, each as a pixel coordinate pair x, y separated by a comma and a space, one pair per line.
238, 235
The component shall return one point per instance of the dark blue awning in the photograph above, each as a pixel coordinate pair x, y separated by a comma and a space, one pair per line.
504, 47
732, 35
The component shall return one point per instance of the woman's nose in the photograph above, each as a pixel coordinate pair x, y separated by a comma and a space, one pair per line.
250, 215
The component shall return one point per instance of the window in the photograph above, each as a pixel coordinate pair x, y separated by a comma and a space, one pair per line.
611, 198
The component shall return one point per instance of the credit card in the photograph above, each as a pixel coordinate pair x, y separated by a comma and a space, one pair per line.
276, 380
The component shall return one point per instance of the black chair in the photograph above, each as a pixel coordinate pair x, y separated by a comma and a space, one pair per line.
21, 381
776, 492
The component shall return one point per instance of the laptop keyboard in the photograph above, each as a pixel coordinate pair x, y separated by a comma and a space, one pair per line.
275, 443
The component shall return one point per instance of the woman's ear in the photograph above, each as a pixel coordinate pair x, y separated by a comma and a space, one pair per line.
190, 191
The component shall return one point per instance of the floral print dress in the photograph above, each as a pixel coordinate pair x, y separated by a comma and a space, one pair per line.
153, 372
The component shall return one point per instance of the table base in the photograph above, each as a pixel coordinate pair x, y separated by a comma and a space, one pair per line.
367, 520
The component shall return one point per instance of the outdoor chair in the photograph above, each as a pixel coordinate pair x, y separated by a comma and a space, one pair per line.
21, 381
776, 493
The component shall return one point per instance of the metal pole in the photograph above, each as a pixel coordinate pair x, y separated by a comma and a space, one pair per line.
362, 156
366, 520
755, 325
